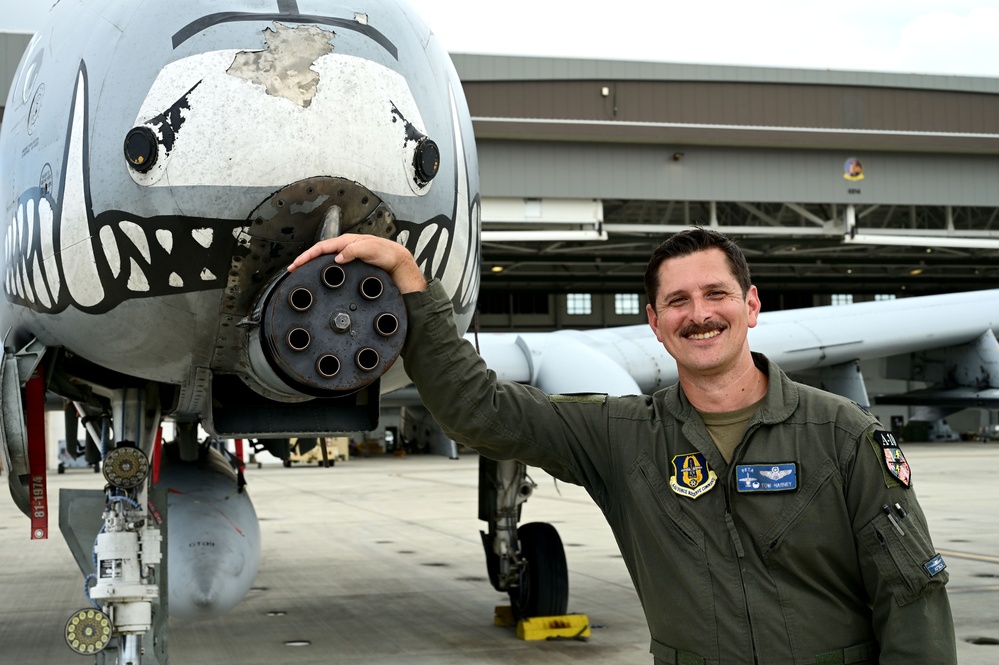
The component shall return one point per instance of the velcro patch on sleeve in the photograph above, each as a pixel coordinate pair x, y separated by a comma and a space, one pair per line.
578, 398
893, 462
934, 565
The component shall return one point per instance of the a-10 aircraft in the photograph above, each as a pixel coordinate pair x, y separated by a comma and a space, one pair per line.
161, 163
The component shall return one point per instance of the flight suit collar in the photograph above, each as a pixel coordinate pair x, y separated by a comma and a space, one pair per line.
780, 402
782, 393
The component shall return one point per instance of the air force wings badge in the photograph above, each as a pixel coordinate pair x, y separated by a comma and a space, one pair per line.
775, 473
691, 476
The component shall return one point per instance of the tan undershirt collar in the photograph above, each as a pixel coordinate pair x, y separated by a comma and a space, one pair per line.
727, 427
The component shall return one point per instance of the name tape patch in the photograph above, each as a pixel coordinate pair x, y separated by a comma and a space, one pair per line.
782, 477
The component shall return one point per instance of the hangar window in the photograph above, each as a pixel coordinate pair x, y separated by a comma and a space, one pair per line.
578, 304
492, 302
626, 303
842, 299
514, 302
883, 296
529, 302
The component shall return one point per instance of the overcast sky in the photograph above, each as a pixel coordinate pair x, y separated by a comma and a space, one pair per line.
920, 36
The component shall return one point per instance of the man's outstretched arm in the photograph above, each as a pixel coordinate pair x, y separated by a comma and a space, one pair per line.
502, 420
386, 254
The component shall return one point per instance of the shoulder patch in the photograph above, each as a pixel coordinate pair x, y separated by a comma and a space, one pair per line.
578, 398
895, 466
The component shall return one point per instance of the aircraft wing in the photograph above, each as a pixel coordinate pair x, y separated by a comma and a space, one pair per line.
946, 341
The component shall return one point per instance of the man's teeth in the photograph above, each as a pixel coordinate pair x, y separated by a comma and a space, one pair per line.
707, 335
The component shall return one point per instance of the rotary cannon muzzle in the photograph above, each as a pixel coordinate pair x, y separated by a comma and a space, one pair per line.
327, 328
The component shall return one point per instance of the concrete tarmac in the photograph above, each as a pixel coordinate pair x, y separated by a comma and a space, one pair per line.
378, 561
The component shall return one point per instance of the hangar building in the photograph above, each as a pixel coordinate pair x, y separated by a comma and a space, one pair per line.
587, 164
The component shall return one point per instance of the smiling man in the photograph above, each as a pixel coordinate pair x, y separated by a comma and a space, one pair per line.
702, 314
763, 522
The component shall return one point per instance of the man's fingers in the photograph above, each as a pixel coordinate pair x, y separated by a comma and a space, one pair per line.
386, 254
328, 246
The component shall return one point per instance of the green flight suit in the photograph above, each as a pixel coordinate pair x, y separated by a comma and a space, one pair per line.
804, 568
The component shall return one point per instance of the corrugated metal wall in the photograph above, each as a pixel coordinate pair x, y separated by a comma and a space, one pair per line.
739, 104
474, 67
660, 131
597, 170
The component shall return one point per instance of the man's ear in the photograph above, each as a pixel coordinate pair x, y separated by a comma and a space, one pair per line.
753, 305
653, 321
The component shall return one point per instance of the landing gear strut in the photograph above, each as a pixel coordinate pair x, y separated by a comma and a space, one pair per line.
128, 617
126, 551
528, 563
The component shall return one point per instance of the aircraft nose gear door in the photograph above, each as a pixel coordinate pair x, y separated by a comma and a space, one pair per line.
528, 563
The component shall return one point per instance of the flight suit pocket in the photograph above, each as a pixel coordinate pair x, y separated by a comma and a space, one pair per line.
790, 515
671, 564
667, 655
659, 496
906, 561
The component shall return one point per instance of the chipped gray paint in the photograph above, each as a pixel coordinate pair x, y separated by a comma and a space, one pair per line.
284, 69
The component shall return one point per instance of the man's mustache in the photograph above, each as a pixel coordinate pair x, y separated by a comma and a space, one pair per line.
701, 328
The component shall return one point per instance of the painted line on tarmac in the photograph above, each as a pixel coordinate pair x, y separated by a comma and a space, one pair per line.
965, 589
967, 555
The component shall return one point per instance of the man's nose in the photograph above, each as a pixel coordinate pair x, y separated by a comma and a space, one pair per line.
701, 308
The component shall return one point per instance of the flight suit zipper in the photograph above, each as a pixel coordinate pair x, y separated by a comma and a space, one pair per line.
740, 554
734, 533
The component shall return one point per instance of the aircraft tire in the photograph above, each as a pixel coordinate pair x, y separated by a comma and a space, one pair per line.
544, 588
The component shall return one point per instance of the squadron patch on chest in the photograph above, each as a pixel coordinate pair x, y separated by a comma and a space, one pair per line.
691, 476
767, 477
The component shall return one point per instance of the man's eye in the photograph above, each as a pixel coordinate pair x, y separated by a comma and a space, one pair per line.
675, 302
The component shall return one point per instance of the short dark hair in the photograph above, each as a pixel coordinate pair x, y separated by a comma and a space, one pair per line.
689, 242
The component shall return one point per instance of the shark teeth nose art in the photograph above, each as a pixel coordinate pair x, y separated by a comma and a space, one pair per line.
99, 260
